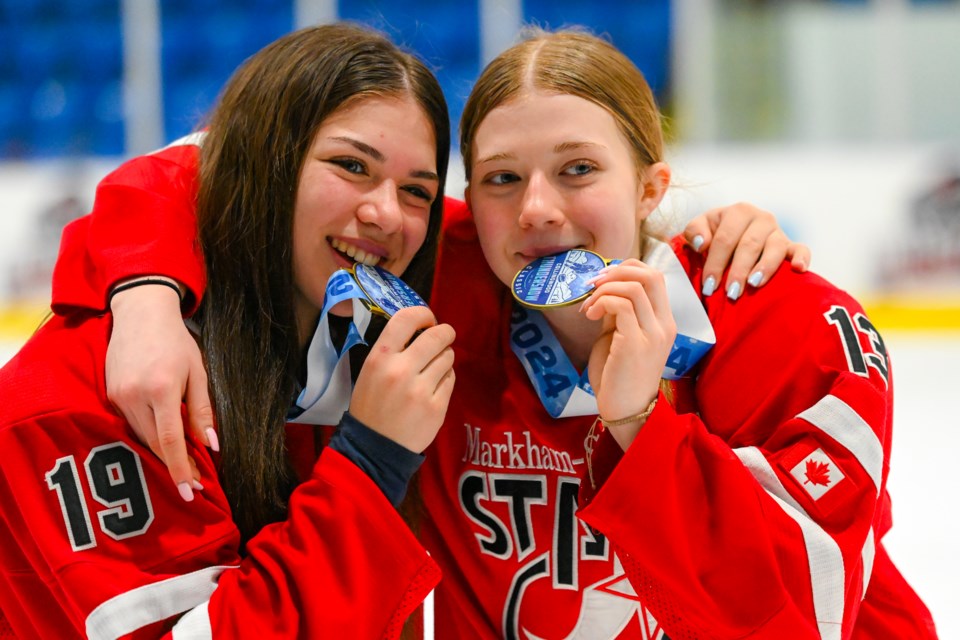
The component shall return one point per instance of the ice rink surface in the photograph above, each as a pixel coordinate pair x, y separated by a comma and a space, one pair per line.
924, 482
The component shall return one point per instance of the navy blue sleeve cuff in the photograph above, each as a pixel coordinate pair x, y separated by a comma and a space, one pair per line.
388, 464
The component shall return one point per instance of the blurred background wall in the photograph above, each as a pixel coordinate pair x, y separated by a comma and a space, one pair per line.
840, 116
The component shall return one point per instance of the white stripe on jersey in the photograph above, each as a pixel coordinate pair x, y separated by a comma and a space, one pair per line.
194, 625
823, 553
838, 420
151, 603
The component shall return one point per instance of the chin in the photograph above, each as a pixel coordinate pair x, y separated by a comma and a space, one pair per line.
343, 309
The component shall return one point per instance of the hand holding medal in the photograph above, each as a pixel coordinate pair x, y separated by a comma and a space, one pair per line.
580, 275
637, 325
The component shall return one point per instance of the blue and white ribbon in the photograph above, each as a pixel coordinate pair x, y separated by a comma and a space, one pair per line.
326, 395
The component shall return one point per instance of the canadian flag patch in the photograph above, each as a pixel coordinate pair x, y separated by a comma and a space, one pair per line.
817, 473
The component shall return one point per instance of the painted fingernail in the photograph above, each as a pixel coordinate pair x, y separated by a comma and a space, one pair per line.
709, 286
733, 290
185, 491
755, 279
213, 439
697, 242
197, 485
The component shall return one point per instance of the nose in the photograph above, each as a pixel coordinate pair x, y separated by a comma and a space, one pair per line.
381, 208
539, 205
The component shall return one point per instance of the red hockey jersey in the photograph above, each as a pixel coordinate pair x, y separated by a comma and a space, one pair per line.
753, 509
96, 542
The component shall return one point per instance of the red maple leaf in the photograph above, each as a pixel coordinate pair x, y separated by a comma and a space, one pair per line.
817, 473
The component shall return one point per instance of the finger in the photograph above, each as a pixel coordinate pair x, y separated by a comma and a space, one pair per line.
632, 270
621, 317
195, 473
438, 368
800, 256
199, 408
402, 327
699, 231
445, 389
143, 425
173, 446
722, 246
430, 343
607, 301
760, 250
628, 270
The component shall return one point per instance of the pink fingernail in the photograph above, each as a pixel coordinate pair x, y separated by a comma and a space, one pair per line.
185, 491
197, 485
213, 439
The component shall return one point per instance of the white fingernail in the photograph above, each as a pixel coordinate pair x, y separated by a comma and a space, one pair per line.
697, 243
733, 290
755, 279
185, 491
709, 286
213, 439
197, 485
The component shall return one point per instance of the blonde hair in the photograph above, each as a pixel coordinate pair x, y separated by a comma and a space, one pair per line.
573, 62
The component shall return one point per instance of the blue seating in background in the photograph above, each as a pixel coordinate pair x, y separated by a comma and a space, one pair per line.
61, 60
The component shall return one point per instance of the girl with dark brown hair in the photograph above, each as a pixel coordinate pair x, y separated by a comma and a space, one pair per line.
330, 142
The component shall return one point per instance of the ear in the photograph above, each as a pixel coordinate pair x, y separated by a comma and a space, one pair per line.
654, 181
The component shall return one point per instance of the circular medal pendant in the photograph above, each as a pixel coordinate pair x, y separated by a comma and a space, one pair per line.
386, 293
557, 280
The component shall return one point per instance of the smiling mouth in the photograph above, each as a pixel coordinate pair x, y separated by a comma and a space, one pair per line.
354, 253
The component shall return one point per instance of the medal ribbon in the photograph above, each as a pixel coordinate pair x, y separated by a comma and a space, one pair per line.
326, 395
564, 392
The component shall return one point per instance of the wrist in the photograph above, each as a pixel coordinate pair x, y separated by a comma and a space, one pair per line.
635, 420
625, 430
148, 288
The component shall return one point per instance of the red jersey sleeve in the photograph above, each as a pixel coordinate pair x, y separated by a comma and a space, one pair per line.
143, 222
96, 542
761, 516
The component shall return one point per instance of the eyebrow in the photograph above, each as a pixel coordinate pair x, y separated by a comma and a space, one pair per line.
569, 146
560, 148
379, 157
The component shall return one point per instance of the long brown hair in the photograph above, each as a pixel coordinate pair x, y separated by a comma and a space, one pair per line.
257, 140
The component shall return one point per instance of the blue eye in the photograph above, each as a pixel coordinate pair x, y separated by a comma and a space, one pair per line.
352, 165
579, 168
502, 178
